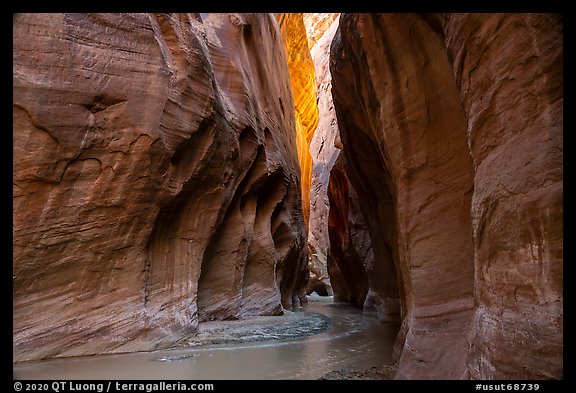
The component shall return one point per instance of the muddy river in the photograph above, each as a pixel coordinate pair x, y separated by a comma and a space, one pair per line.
302, 345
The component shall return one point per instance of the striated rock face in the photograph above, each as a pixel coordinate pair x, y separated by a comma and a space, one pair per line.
357, 278
451, 127
345, 250
317, 25
301, 69
320, 30
508, 68
403, 135
350, 249
156, 179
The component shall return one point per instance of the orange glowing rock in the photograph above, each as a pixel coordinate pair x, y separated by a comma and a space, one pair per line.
302, 77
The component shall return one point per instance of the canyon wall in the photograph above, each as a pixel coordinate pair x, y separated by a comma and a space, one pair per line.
320, 30
313, 105
301, 68
156, 179
170, 169
339, 241
451, 127
350, 249
508, 69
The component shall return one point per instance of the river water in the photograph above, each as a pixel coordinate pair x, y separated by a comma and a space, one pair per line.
344, 339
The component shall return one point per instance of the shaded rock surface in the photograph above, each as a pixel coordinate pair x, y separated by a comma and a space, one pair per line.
156, 179
451, 127
321, 29
508, 68
338, 238
350, 248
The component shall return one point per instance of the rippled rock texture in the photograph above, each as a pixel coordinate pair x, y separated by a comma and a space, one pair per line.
156, 179
451, 127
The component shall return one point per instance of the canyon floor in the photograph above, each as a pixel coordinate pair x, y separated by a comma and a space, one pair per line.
383, 372
291, 325
324, 341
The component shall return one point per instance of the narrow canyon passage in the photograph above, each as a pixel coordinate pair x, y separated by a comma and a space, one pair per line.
187, 185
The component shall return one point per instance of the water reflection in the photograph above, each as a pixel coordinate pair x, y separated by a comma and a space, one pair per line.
353, 341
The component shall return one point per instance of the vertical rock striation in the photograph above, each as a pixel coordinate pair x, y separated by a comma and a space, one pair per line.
303, 82
350, 249
403, 135
320, 30
338, 239
451, 127
156, 179
508, 68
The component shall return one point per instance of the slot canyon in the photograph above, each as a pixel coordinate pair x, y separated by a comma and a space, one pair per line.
174, 173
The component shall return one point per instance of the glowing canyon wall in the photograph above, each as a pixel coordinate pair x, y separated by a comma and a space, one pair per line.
301, 68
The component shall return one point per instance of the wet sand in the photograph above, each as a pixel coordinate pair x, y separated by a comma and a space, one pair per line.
375, 372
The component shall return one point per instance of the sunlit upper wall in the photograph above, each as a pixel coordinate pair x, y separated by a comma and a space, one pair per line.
301, 68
